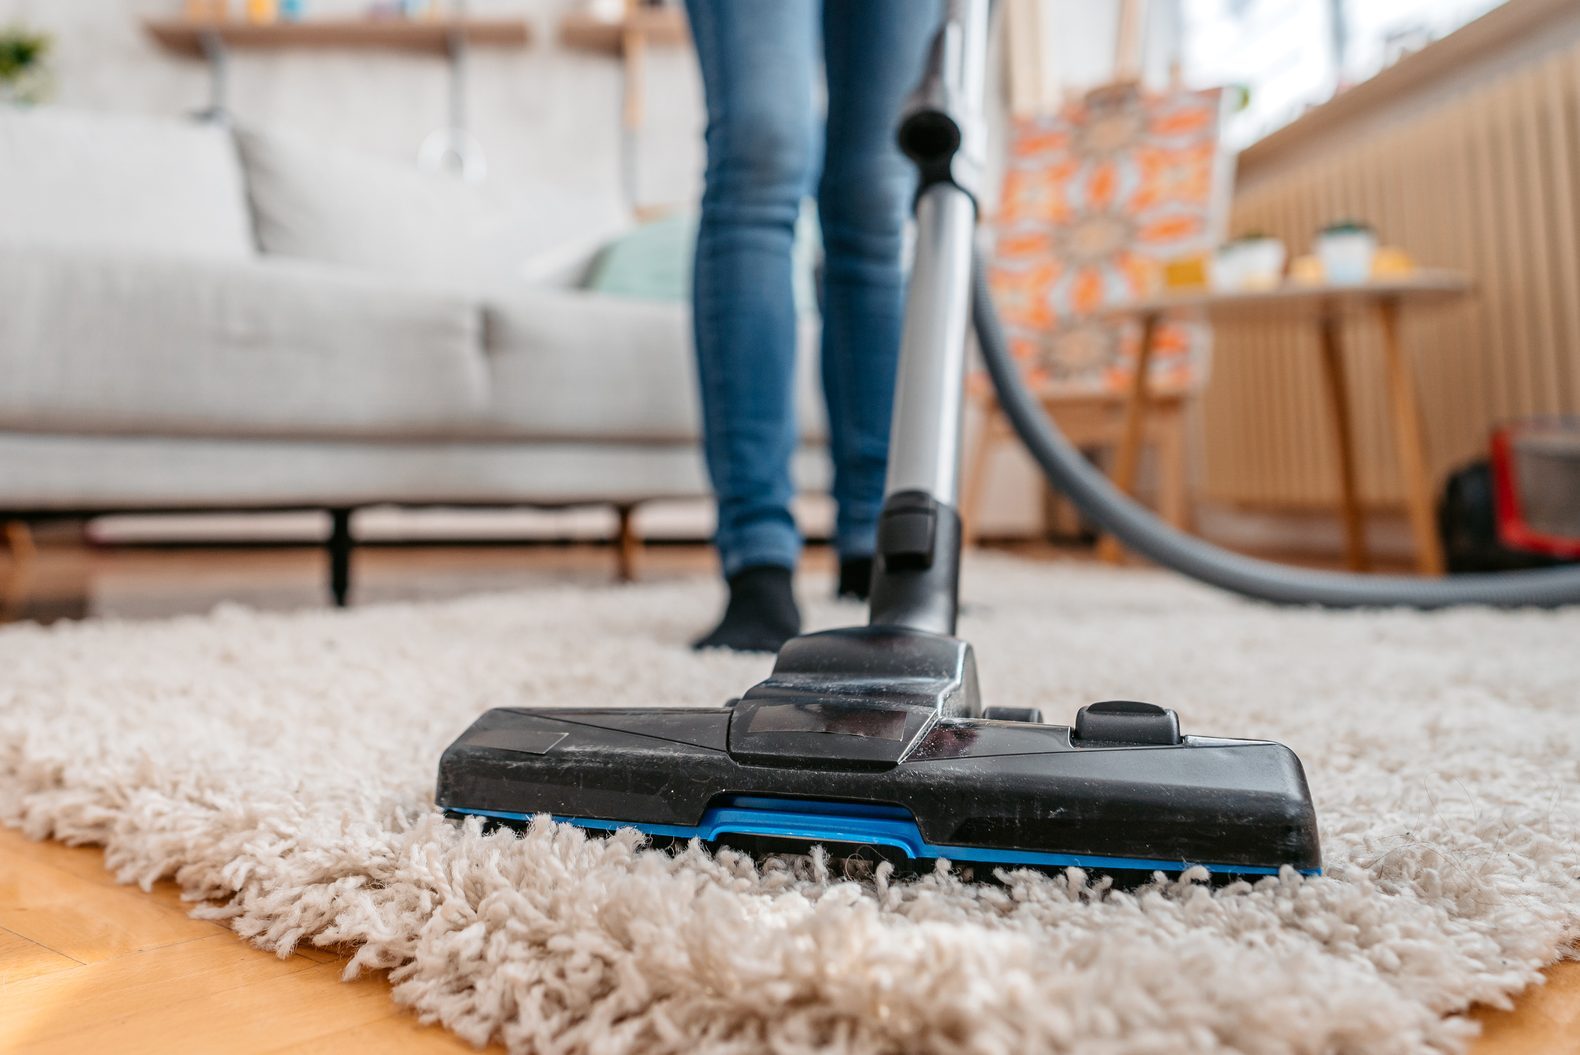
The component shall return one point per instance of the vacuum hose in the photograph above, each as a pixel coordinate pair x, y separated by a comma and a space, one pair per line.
1069, 472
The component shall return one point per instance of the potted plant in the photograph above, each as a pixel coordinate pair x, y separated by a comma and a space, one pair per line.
24, 77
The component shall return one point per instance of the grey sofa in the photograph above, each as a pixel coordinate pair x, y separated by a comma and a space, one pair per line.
189, 326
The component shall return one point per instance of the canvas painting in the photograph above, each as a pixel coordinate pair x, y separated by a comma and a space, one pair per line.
1096, 197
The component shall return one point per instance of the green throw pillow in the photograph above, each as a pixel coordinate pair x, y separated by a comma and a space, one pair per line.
653, 260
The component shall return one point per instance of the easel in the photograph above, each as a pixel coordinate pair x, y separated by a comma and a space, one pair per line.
1125, 422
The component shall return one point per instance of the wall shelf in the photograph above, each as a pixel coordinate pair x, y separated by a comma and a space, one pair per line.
194, 39
445, 38
660, 26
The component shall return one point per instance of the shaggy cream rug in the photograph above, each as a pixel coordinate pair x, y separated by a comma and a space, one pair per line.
280, 767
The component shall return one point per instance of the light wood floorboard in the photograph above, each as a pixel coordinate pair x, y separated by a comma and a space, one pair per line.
88, 965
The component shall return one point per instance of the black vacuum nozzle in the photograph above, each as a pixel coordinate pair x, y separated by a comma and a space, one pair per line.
872, 739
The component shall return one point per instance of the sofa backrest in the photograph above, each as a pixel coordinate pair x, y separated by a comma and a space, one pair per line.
323, 202
99, 181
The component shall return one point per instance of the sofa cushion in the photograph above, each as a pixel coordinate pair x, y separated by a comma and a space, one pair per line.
653, 260
572, 364
78, 179
67, 472
324, 203
116, 344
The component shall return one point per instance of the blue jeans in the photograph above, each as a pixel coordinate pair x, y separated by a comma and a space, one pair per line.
767, 142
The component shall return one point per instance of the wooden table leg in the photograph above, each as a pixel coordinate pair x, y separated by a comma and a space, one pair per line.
1128, 458
1174, 504
1338, 391
1410, 442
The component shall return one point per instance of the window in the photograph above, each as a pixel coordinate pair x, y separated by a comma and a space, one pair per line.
1293, 54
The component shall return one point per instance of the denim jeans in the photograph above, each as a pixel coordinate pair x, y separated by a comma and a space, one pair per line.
768, 143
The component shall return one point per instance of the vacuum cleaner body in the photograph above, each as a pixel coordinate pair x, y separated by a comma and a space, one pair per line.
1536, 486
873, 740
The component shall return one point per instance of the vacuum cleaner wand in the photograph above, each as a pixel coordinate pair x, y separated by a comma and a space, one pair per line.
917, 565
874, 738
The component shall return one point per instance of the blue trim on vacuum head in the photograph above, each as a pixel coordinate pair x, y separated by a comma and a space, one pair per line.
866, 824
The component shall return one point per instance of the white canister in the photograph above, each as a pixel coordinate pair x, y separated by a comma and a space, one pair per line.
1347, 252
1223, 274
1248, 263
1261, 262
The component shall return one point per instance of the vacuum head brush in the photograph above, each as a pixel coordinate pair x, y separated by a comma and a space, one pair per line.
870, 741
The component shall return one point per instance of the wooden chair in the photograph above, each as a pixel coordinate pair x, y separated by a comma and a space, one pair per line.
1095, 423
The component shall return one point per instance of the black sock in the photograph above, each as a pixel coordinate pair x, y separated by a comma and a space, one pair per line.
855, 578
761, 615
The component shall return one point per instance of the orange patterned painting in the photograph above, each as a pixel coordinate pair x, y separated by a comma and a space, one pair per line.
1096, 198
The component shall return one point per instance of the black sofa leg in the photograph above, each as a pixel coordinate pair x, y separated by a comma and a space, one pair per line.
340, 543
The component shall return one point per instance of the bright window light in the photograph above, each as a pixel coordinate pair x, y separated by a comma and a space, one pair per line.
1294, 54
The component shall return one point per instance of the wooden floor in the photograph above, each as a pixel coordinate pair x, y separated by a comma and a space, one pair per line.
87, 965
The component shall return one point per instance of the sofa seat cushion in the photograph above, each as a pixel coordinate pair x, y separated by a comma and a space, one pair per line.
574, 364
99, 181
126, 344
41, 472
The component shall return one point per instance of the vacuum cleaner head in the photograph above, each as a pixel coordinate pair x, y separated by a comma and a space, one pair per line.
871, 741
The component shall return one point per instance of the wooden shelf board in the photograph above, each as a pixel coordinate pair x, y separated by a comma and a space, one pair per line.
185, 36
664, 26
1426, 285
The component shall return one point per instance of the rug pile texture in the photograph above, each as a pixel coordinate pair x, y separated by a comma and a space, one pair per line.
280, 768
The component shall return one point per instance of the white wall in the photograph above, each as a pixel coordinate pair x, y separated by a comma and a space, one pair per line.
1082, 34
547, 118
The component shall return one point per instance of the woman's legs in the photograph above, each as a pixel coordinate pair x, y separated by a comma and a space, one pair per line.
759, 62
874, 53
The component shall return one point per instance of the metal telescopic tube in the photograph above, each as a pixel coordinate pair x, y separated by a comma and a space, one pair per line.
917, 566
924, 439
924, 443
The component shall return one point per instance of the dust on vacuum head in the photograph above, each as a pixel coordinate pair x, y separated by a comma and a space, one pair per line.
870, 742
